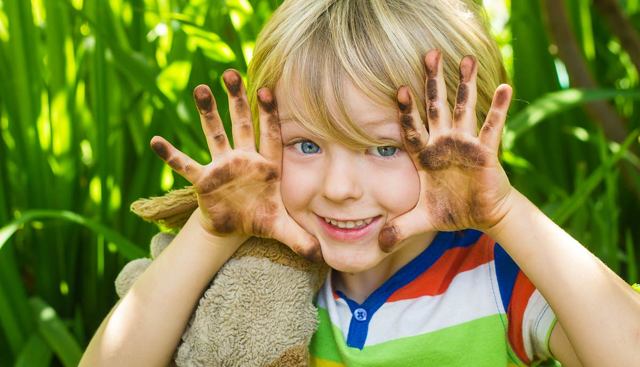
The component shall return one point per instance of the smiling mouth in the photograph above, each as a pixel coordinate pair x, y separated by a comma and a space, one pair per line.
349, 230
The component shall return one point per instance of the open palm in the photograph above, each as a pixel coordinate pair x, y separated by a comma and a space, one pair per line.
462, 183
239, 191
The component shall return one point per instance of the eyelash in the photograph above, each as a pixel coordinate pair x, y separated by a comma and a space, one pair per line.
298, 146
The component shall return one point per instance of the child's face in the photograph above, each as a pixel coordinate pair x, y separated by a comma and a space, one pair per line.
325, 179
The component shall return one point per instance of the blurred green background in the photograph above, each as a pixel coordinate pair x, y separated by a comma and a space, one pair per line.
86, 84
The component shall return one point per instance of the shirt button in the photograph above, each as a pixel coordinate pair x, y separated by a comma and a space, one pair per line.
360, 314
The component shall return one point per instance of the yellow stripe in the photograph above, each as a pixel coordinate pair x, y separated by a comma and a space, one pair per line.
318, 362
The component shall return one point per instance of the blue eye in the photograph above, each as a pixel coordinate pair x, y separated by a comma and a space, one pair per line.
386, 151
307, 147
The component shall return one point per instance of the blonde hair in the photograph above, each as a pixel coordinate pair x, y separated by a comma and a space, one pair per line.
312, 46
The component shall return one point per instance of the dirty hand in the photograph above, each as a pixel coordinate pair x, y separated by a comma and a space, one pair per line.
239, 191
462, 184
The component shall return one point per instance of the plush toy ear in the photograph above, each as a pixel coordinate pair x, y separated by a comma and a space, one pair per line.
159, 242
129, 274
132, 270
171, 210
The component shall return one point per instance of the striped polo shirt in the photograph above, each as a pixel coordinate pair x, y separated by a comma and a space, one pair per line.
462, 302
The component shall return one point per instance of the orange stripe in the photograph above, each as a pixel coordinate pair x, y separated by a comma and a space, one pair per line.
522, 291
436, 280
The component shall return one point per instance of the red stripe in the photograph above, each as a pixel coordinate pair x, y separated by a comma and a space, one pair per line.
436, 280
522, 291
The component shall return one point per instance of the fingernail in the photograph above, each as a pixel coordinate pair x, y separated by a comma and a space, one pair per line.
232, 81
433, 61
204, 100
404, 99
159, 148
388, 238
266, 101
467, 65
502, 97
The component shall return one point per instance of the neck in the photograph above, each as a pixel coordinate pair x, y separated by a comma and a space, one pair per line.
359, 286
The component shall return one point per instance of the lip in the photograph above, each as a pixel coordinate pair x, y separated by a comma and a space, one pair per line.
346, 234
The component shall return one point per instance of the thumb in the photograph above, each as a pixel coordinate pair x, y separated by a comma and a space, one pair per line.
401, 228
295, 237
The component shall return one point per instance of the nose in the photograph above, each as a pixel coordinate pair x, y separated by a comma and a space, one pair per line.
343, 177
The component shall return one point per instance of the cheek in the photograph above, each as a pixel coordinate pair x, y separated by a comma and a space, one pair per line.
297, 185
398, 189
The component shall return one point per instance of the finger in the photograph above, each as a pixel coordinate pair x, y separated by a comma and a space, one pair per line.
178, 161
270, 138
300, 241
242, 126
401, 228
491, 131
210, 119
414, 133
438, 115
464, 113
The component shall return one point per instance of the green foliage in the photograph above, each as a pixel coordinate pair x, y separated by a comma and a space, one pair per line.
86, 84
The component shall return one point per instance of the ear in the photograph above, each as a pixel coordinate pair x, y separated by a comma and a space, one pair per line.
171, 210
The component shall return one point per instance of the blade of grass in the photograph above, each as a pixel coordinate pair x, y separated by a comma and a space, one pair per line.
610, 239
126, 248
15, 318
25, 82
96, 254
632, 265
55, 333
534, 74
576, 200
36, 353
553, 103
134, 66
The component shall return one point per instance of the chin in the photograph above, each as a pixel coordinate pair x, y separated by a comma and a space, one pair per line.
351, 260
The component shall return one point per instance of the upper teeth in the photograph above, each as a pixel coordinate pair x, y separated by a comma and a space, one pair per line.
348, 224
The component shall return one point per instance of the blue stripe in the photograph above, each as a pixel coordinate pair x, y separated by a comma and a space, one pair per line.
441, 243
506, 272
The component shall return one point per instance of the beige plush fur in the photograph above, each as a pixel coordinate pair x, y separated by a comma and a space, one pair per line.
258, 309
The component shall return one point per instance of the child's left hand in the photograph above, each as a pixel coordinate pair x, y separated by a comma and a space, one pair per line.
462, 184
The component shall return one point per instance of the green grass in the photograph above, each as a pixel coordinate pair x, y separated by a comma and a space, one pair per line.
86, 84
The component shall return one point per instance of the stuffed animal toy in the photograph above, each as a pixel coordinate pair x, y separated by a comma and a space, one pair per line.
257, 311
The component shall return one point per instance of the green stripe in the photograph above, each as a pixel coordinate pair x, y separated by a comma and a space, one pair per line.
481, 342
322, 343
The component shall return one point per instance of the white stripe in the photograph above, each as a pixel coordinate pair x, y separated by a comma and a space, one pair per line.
338, 310
470, 296
537, 319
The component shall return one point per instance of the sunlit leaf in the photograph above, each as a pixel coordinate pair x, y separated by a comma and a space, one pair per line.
210, 44
173, 79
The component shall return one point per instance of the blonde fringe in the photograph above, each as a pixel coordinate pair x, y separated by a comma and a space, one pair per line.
171, 210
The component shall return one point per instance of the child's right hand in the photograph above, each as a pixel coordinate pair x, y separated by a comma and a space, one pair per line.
239, 191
